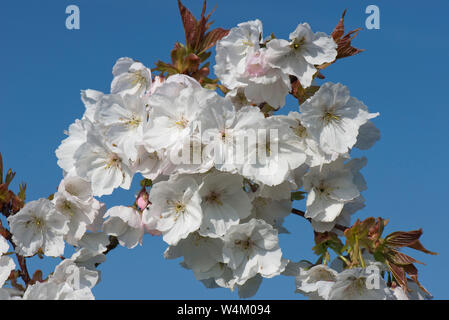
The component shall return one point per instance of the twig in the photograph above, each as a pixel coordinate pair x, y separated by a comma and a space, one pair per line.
302, 214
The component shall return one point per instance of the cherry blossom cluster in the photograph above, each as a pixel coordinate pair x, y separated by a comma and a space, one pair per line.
224, 172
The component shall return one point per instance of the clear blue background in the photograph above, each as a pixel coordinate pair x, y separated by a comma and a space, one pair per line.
402, 75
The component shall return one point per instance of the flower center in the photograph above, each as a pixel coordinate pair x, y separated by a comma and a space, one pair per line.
244, 244
298, 43
139, 79
38, 222
67, 206
113, 162
300, 130
134, 121
213, 197
182, 122
330, 116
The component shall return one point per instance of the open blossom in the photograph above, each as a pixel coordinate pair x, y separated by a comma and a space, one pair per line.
225, 131
176, 208
333, 118
316, 281
271, 211
77, 135
315, 156
130, 77
201, 254
74, 199
359, 284
329, 188
6, 263
90, 98
414, 292
242, 63
273, 155
126, 224
224, 203
56, 291
252, 248
124, 119
38, 226
299, 56
103, 165
174, 107
350, 207
233, 49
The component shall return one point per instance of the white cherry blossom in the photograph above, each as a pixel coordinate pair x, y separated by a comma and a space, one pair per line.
300, 55
38, 226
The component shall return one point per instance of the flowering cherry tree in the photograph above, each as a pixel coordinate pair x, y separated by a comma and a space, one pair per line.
221, 166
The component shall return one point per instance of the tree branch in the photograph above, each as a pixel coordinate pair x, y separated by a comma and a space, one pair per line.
302, 214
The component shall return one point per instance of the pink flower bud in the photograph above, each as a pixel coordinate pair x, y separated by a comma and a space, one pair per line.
256, 65
142, 200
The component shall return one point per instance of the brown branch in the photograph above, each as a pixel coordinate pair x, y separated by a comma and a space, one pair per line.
302, 214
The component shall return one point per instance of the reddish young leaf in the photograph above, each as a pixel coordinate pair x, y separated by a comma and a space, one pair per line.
399, 274
212, 37
189, 22
344, 49
399, 258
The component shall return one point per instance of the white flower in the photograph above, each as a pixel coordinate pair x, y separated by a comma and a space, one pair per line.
174, 107
39, 226
6, 263
67, 271
233, 49
130, 77
176, 208
224, 203
333, 118
299, 56
90, 98
126, 224
95, 242
147, 163
273, 154
88, 258
359, 284
315, 155
225, 131
189, 158
272, 211
56, 291
201, 254
103, 165
252, 248
77, 135
74, 199
316, 282
328, 188
414, 292
264, 83
242, 63
350, 207
124, 119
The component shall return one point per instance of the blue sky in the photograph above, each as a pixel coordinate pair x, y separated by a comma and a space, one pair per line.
401, 75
